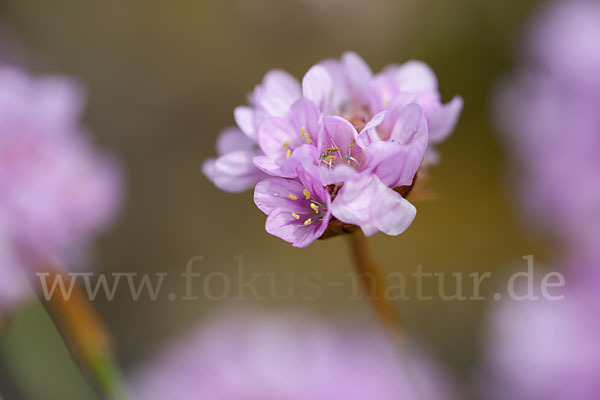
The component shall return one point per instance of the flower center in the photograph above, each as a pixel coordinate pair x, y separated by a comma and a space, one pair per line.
312, 210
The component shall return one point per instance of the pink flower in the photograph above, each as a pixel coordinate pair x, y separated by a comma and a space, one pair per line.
544, 349
360, 137
549, 113
56, 191
298, 209
263, 357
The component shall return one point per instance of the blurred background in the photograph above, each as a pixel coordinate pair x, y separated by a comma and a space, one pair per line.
162, 80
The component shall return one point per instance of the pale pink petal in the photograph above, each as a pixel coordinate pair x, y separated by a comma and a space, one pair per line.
368, 202
305, 114
369, 133
395, 164
244, 118
317, 86
233, 172
415, 76
406, 122
276, 166
358, 74
442, 120
391, 213
277, 93
276, 136
275, 192
282, 224
233, 139
337, 132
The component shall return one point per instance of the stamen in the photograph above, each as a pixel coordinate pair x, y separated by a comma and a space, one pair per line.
293, 196
286, 144
306, 194
307, 138
315, 207
295, 215
288, 153
330, 159
332, 149
302, 131
308, 221
352, 143
349, 158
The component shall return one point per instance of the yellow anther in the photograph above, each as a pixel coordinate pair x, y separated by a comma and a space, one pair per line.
315, 207
288, 153
295, 215
307, 138
330, 158
352, 143
306, 194
293, 196
308, 221
286, 144
302, 131
332, 149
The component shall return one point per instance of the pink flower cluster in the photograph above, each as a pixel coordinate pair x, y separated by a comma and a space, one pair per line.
549, 111
264, 357
544, 349
56, 191
335, 145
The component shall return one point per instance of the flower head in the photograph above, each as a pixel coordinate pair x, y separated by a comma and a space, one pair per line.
260, 357
359, 137
56, 191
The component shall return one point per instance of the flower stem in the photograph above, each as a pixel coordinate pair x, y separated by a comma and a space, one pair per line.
373, 283
84, 334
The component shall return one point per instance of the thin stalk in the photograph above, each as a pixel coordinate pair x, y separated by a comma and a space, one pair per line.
373, 283
84, 335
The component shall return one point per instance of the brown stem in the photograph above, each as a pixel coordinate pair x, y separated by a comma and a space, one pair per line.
83, 332
373, 282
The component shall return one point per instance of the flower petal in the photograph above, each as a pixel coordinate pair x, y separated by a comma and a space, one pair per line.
395, 164
415, 76
337, 132
369, 134
281, 223
245, 119
276, 166
278, 91
313, 184
367, 202
358, 74
391, 213
317, 86
276, 136
233, 172
233, 139
305, 114
273, 193
442, 120
403, 122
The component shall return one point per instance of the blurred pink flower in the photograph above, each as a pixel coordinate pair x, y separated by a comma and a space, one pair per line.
549, 111
544, 350
262, 357
359, 135
56, 191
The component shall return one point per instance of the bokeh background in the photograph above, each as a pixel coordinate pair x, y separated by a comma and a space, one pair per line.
162, 80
